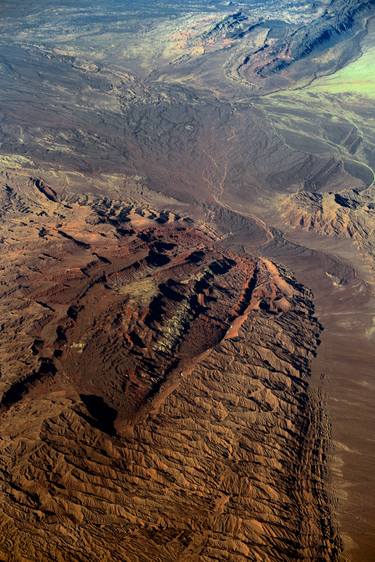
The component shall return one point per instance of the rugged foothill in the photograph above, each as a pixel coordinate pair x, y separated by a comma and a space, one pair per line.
155, 400
347, 215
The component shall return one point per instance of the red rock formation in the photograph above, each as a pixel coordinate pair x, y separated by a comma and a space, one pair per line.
155, 399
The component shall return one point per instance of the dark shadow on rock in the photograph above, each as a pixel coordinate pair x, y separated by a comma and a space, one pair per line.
102, 416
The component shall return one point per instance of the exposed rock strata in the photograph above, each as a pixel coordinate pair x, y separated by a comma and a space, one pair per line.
156, 405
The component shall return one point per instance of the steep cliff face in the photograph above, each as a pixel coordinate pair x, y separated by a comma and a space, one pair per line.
157, 403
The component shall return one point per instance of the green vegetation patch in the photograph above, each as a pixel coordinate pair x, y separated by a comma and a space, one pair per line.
357, 77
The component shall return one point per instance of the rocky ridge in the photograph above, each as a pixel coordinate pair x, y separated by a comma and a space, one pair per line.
157, 403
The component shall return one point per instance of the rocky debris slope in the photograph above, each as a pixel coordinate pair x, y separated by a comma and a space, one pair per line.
155, 400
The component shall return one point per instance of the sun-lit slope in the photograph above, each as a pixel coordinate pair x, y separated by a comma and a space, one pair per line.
347, 215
